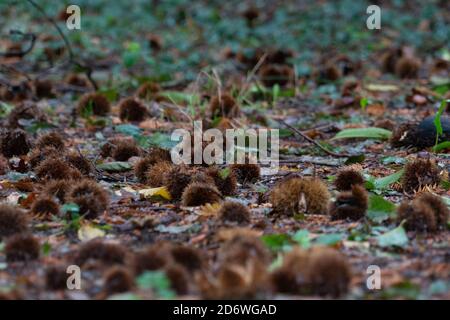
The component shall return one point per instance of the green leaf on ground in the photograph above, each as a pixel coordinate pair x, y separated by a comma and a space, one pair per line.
395, 238
158, 139
181, 97
329, 239
355, 159
46, 248
156, 281
369, 133
393, 159
5, 109
129, 129
124, 296
384, 182
363, 103
302, 238
71, 208
380, 209
224, 173
437, 120
277, 242
405, 289
441, 146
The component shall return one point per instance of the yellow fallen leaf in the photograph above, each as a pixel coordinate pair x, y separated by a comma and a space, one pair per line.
356, 244
209, 209
381, 87
88, 232
129, 189
154, 192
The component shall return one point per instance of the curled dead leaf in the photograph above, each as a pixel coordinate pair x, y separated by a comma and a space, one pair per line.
155, 192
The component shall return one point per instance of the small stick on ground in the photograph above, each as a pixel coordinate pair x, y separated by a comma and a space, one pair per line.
331, 163
304, 136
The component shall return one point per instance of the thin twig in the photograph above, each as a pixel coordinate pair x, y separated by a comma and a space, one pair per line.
63, 36
87, 69
304, 136
69, 88
311, 161
320, 127
15, 70
250, 76
138, 205
20, 53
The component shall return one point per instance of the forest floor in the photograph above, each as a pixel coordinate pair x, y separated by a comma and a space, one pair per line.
312, 67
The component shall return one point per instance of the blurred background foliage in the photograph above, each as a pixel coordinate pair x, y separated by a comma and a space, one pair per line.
195, 33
